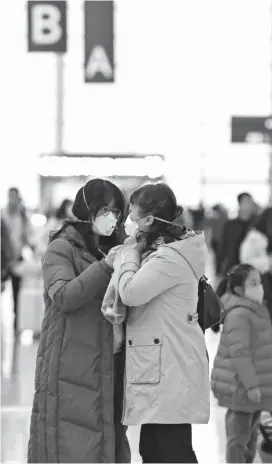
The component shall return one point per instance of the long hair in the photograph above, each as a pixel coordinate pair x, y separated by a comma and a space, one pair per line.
159, 201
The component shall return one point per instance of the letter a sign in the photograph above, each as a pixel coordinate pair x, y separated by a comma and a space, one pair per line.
99, 48
47, 26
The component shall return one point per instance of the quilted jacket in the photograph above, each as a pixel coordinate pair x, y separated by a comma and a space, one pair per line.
244, 357
73, 417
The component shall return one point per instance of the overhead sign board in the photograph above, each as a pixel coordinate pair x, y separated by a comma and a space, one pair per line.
253, 129
99, 42
47, 26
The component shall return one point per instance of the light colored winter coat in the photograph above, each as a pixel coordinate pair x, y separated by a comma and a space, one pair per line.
253, 251
167, 373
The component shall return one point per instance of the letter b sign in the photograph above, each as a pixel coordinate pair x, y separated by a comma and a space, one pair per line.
47, 26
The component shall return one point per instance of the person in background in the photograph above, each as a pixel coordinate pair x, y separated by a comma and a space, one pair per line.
63, 213
256, 250
234, 232
7, 254
54, 223
17, 221
241, 378
167, 385
216, 224
76, 414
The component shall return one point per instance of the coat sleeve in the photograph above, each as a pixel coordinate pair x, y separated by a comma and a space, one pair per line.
139, 285
68, 291
253, 251
238, 329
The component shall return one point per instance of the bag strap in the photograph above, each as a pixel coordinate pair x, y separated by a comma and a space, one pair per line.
189, 264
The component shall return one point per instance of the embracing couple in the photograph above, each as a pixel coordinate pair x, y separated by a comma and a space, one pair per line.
96, 377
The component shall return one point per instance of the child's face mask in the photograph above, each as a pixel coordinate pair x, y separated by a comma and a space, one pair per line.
253, 287
255, 293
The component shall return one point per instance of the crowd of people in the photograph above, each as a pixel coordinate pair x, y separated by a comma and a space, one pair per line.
123, 339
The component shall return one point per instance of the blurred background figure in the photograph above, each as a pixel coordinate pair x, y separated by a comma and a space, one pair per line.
7, 254
15, 216
55, 222
256, 250
198, 216
63, 213
234, 232
217, 223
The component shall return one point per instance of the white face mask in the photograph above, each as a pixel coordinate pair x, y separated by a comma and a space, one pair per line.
131, 227
105, 225
255, 293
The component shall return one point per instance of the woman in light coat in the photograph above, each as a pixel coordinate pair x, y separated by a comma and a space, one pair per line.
167, 374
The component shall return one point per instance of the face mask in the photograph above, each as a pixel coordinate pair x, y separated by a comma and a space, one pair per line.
105, 225
131, 227
255, 293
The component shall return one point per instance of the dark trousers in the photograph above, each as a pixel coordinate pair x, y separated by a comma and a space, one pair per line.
122, 448
215, 248
242, 435
166, 443
16, 282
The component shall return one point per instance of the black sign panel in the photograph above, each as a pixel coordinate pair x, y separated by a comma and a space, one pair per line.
251, 129
47, 26
99, 42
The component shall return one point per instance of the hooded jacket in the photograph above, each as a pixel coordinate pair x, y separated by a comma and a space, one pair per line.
244, 359
167, 374
76, 414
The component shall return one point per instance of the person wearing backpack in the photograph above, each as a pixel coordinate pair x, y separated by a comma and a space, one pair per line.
156, 284
241, 378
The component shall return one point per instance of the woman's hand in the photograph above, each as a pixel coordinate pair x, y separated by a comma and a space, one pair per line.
110, 258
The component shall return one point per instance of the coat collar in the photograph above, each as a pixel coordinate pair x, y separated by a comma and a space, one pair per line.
71, 234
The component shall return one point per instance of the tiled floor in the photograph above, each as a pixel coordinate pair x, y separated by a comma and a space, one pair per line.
18, 365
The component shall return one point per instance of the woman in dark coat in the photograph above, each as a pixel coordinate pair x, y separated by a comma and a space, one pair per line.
76, 415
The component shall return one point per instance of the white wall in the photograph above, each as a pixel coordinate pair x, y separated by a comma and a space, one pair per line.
179, 64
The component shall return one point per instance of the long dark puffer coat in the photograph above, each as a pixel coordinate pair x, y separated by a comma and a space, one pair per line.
73, 418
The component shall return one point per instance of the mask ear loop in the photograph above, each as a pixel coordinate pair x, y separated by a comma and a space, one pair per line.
88, 222
86, 204
167, 222
84, 198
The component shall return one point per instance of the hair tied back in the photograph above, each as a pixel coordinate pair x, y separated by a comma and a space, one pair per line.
178, 212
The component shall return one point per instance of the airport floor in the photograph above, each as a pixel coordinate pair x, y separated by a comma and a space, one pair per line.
17, 379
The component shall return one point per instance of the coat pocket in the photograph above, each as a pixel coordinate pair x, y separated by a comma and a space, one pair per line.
143, 358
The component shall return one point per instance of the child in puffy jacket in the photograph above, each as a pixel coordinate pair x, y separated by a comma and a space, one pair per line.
242, 374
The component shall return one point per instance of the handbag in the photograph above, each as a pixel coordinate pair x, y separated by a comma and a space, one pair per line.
209, 306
